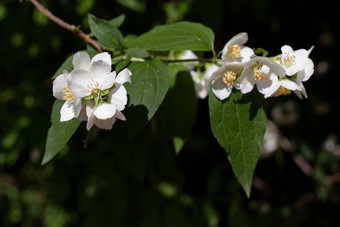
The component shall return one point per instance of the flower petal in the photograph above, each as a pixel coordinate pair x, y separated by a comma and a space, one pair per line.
220, 90
123, 76
99, 69
106, 81
104, 111
58, 84
66, 112
81, 60
89, 112
77, 106
246, 81
105, 124
118, 97
78, 81
105, 57
120, 116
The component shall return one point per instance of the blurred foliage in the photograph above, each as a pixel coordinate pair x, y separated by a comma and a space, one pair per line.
91, 187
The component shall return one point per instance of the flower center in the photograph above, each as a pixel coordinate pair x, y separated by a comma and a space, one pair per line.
258, 73
282, 91
229, 77
68, 97
234, 50
287, 59
94, 88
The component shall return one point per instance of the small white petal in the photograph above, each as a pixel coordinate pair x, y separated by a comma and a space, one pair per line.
123, 76
220, 90
105, 57
77, 106
81, 60
104, 111
286, 49
210, 70
58, 84
89, 112
66, 112
120, 116
247, 81
105, 124
290, 85
99, 69
118, 97
78, 81
106, 81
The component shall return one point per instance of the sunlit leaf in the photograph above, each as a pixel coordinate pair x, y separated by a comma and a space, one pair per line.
239, 123
178, 36
149, 84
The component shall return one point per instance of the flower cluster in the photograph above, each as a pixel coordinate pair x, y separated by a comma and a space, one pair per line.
92, 92
240, 68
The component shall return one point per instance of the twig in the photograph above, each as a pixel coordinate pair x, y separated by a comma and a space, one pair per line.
65, 25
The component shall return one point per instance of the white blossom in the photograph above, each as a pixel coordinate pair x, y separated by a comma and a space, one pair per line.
295, 61
224, 79
104, 115
90, 77
262, 72
235, 51
201, 80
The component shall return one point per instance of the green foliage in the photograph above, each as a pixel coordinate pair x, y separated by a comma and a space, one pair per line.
106, 32
59, 132
187, 178
149, 85
239, 124
178, 36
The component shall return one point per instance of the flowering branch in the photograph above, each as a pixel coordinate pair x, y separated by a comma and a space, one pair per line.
65, 25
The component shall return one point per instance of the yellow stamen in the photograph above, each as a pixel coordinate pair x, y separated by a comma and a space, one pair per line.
229, 77
234, 50
258, 75
68, 97
282, 91
287, 60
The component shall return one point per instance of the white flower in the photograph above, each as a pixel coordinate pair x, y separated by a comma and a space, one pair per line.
90, 77
224, 79
104, 115
264, 73
289, 84
72, 106
201, 80
235, 52
295, 61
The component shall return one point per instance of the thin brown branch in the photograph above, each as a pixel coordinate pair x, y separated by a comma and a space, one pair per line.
65, 25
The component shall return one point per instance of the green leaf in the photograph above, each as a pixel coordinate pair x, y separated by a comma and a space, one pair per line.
117, 21
105, 32
238, 124
149, 85
59, 133
178, 112
134, 5
132, 152
178, 36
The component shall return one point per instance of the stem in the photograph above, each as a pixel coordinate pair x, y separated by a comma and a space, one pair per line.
164, 58
65, 25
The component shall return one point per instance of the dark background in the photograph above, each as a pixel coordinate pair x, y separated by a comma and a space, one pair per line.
296, 185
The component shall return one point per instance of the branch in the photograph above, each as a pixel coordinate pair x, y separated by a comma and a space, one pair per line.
65, 25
